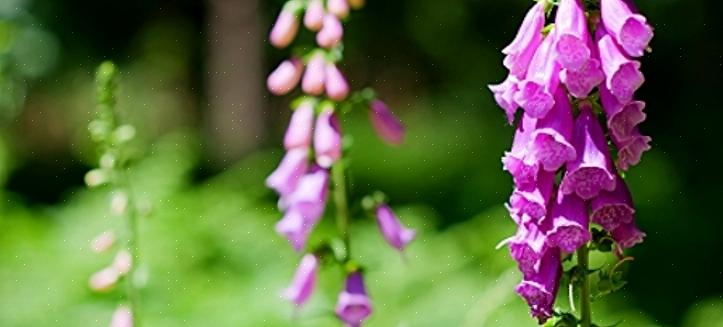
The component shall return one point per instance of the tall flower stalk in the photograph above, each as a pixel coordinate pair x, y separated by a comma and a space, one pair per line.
317, 156
567, 75
112, 138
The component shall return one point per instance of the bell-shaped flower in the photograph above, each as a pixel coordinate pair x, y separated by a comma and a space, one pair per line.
631, 151
572, 47
301, 127
630, 30
531, 204
387, 126
314, 15
614, 208
353, 305
627, 235
122, 317
622, 119
314, 76
582, 81
592, 171
285, 77
331, 32
550, 144
569, 223
504, 96
309, 196
337, 88
540, 288
327, 138
535, 94
294, 164
286, 26
340, 8
394, 233
518, 161
622, 75
527, 248
519, 53
304, 281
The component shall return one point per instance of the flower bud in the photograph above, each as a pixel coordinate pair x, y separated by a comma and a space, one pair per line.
313, 81
304, 282
331, 33
123, 262
118, 203
299, 132
285, 77
104, 280
327, 138
97, 177
337, 88
122, 317
103, 242
387, 126
314, 16
285, 28
340, 8
394, 233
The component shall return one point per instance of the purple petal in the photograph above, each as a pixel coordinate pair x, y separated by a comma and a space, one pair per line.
394, 233
521, 50
353, 305
304, 281
614, 208
285, 178
387, 126
572, 44
623, 76
570, 223
630, 30
551, 138
535, 94
540, 289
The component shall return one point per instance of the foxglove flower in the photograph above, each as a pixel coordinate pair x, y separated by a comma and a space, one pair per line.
285, 77
122, 317
631, 151
313, 80
295, 228
304, 282
314, 15
531, 204
331, 32
629, 29
622, 75
551, 139
340, 8
540, 288
504, 95
527, 248
581, 82
327, 138
627, 235
519, 53
569, 223
285, 27
622, 119
591, 172
572, 47
284, 179
394, 233
353, 305
614, 208
535, 94
518, 161
304, 207
301, 125
387, 126
337, 88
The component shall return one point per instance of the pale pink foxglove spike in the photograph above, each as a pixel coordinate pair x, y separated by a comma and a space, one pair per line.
519, 53
387, 126
622, 119
535, 93
504, 95
314, 15
336, 85
630, 30
622, 75
340, 8
331, 32
327, 138
304, 281
551, 141
122, 317
285, 27
286, 176
301, 126
285, 77
314, 76
394, 233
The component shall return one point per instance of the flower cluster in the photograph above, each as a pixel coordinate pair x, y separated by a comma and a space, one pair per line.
313, 166
557, 74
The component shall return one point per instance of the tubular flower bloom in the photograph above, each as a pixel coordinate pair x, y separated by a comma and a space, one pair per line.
327, 138
387, 126
314, 15
284, 179
331, 32
285, 77
304, 281
301, 125
285, 27
583, 57
394, 233
353, 305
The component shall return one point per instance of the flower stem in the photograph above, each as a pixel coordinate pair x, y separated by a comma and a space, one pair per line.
342, 207
585, 308
133, 293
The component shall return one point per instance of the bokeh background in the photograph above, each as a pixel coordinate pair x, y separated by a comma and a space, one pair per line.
193, 75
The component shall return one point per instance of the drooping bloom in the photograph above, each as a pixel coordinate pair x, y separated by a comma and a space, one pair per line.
592, 171
519, 53
285, 77
629, 29
301, 126
614, 208
569, 223
327, 138
313, 80
285, 27
539, 289
122, 317
531, 203
387, 126
353, 305
518, 161
573, 40
622, 75
314, 15
294, 164
331, 32
535, 94
622, 118
527, 247
304, 207
627, 235
394, 233
551, 139
337, 88
304, 281
340, 8
631, 151
504, 95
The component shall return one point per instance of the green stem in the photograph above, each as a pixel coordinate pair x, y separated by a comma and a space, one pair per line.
342, 207
585, 308
132, 290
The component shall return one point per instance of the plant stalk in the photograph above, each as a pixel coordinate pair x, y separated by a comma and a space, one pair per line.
342, 207
132, 290
585, 307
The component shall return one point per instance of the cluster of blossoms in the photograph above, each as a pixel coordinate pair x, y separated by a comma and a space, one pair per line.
314, 150
564, 173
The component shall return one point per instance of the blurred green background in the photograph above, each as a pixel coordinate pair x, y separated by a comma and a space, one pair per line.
193, 75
